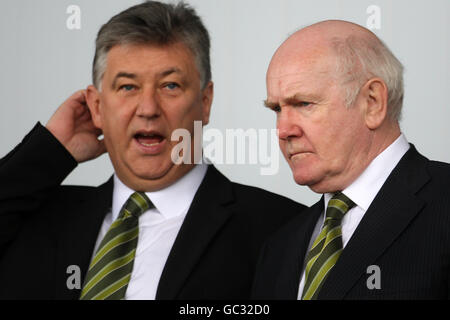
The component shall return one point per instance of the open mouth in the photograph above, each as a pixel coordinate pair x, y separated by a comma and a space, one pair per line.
149, 139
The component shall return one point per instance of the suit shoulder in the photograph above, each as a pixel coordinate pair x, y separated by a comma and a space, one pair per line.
439, 167
261, 211
70, 195
439, 173
264, 208
263, 198
76, 190
76, 193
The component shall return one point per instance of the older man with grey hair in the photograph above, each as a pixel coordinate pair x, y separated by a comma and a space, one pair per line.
380, 230
157, 229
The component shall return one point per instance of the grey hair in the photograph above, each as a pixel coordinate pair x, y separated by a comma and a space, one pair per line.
362, 58
154, 23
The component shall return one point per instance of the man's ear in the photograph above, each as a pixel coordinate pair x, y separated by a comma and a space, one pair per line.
207, 98
93, 102
375, 95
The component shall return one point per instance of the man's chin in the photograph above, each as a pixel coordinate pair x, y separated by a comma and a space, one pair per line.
140, 175
154, 180
152, 175
309, 181
148, 182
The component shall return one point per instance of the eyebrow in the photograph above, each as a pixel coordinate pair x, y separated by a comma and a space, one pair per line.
133, 76
270, 105
170, 71
292, 100
122, 75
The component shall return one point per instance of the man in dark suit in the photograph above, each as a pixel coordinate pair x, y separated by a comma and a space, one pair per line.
380, 230
156, 229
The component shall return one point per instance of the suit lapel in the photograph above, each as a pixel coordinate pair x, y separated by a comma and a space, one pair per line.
389, 214
296, 248
207, 210
77, 231
206, 216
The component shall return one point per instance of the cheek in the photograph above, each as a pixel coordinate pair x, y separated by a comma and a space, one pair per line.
183, 115
341, 145
117, 110
283, 147
330, 133
115, 124
331, 147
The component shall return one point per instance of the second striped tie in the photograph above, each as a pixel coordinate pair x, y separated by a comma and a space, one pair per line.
327, 248
110, 270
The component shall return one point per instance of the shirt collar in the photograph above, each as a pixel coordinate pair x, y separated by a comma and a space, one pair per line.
365, 188
169, 202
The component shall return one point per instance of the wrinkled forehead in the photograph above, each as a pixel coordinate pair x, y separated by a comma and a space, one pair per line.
302, 56
302, 71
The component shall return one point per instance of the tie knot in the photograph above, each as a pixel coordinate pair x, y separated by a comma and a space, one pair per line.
136, 205
338, 206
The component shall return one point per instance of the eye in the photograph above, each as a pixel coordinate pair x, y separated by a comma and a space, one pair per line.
127, 87
172, 86
277, 109
303, 104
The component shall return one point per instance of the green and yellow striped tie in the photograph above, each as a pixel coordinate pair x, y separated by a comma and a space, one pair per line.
327, 248
110, 270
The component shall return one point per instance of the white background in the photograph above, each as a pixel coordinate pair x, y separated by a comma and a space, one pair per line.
43, 62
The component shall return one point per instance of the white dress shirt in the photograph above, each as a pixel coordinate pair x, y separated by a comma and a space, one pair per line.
362, 192
158, 228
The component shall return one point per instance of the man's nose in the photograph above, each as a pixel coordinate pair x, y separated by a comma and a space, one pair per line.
149, 105
288, 124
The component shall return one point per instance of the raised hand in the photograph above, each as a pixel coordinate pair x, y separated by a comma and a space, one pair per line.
72, 125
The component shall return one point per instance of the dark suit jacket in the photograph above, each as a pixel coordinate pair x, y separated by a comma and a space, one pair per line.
405, 232
46, 227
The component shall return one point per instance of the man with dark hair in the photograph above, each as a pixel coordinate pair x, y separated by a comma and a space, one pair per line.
156, 229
